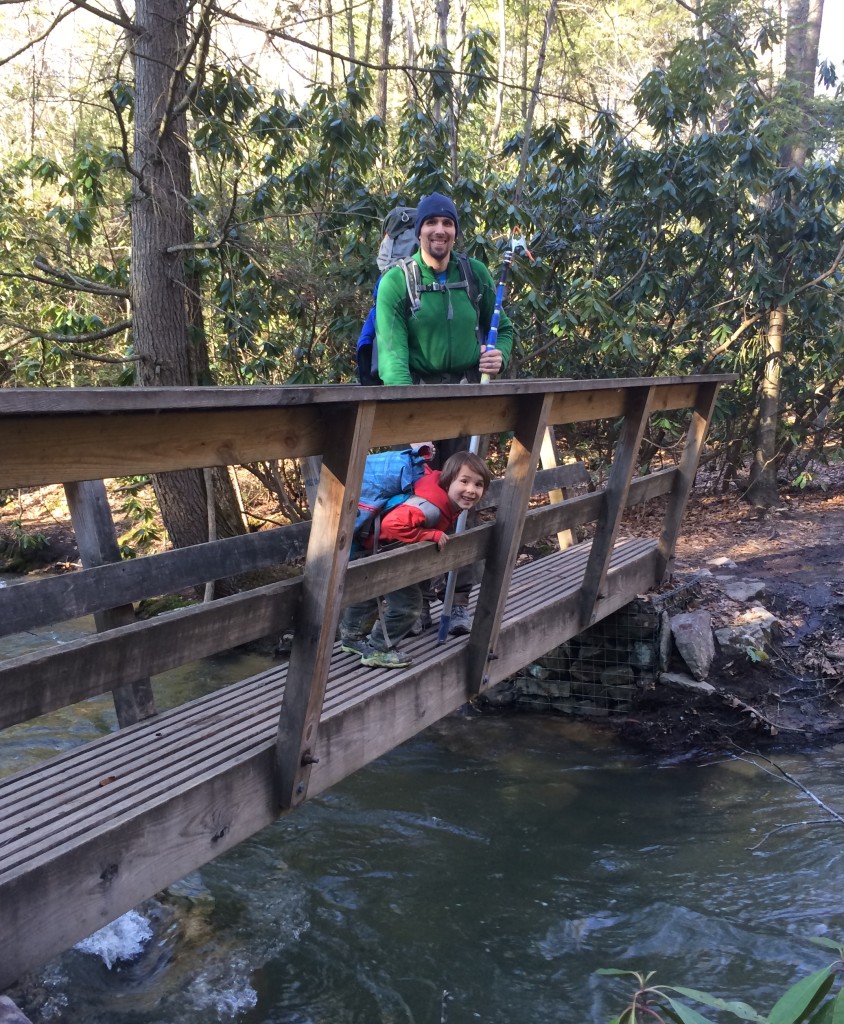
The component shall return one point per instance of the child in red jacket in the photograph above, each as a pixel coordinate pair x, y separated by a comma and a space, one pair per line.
439, 496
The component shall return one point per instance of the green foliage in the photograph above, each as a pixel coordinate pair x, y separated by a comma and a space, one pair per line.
812, 1000
139, 507
18, 545
660, 249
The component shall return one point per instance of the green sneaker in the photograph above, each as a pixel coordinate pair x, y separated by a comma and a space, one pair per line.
353, 645
391, 658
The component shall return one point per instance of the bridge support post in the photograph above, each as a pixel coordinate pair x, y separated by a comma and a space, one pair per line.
509, 520
96, 539
698, 428
322, 590
550, 460
636, 411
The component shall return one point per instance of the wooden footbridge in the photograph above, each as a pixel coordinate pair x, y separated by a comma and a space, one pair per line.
94, 831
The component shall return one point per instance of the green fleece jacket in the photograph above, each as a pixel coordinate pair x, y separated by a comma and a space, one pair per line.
430, 342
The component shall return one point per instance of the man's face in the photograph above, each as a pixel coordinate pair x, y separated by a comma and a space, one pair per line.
436, 237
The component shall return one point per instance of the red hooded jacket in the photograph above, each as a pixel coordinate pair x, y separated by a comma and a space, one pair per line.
406, 522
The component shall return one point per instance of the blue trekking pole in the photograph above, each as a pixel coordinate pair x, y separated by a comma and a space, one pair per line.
517, 245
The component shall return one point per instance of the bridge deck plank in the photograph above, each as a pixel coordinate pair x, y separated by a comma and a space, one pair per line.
116, 820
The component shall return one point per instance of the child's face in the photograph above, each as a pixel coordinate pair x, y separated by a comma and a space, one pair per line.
466, 488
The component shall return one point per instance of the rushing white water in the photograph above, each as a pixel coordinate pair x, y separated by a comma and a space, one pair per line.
123, 939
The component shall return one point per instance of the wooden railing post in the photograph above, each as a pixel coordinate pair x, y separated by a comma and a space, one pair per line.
322, 590
96, 539
698, 428
550, 460
504, 547
637, 407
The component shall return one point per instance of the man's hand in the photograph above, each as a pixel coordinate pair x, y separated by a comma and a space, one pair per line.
491, 361
442, 540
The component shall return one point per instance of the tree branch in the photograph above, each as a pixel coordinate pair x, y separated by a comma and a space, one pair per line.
411, 69
106, 332
125, 23
33, 42
202, 40
124, 144
65, 279
758, 316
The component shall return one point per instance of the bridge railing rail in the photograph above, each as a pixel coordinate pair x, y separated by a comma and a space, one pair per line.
81, 437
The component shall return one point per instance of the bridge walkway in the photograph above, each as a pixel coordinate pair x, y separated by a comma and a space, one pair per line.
92, 832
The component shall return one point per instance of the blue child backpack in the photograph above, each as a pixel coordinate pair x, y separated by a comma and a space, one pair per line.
388, 480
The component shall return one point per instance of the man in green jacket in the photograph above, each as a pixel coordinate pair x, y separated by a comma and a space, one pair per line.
441, 342
438, 344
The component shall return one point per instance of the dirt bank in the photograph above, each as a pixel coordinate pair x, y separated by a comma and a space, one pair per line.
795, 697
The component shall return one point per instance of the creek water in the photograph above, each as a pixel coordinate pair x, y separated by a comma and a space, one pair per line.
483, 871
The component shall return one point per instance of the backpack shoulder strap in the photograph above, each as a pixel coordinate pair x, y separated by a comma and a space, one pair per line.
413, 281
430, 510
467, 272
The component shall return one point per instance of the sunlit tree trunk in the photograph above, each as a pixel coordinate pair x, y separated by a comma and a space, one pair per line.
411, 35
534, 96
441, 41
763, 478
499, 89
350, 29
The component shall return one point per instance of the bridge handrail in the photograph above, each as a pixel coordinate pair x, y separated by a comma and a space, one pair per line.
72, 435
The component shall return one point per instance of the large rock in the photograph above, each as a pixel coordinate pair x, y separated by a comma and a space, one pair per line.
752, 630
692, 632
10, 1014
745, 590
680, 681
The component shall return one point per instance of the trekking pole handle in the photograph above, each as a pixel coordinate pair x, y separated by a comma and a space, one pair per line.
516, 245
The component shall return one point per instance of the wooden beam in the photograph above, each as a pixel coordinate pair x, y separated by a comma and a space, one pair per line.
586, 508
35, 684
99, 428
96, 539
704, 407
340, 479
636, 410
57, 598
549, 458
509, 520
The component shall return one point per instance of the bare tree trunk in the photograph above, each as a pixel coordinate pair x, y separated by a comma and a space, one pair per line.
762, 490
534, 96
499, 89
162, 233
350, 29
412, 43
801, 58
442, 41
386, 36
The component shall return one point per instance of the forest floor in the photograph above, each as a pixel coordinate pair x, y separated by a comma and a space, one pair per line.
793, 696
